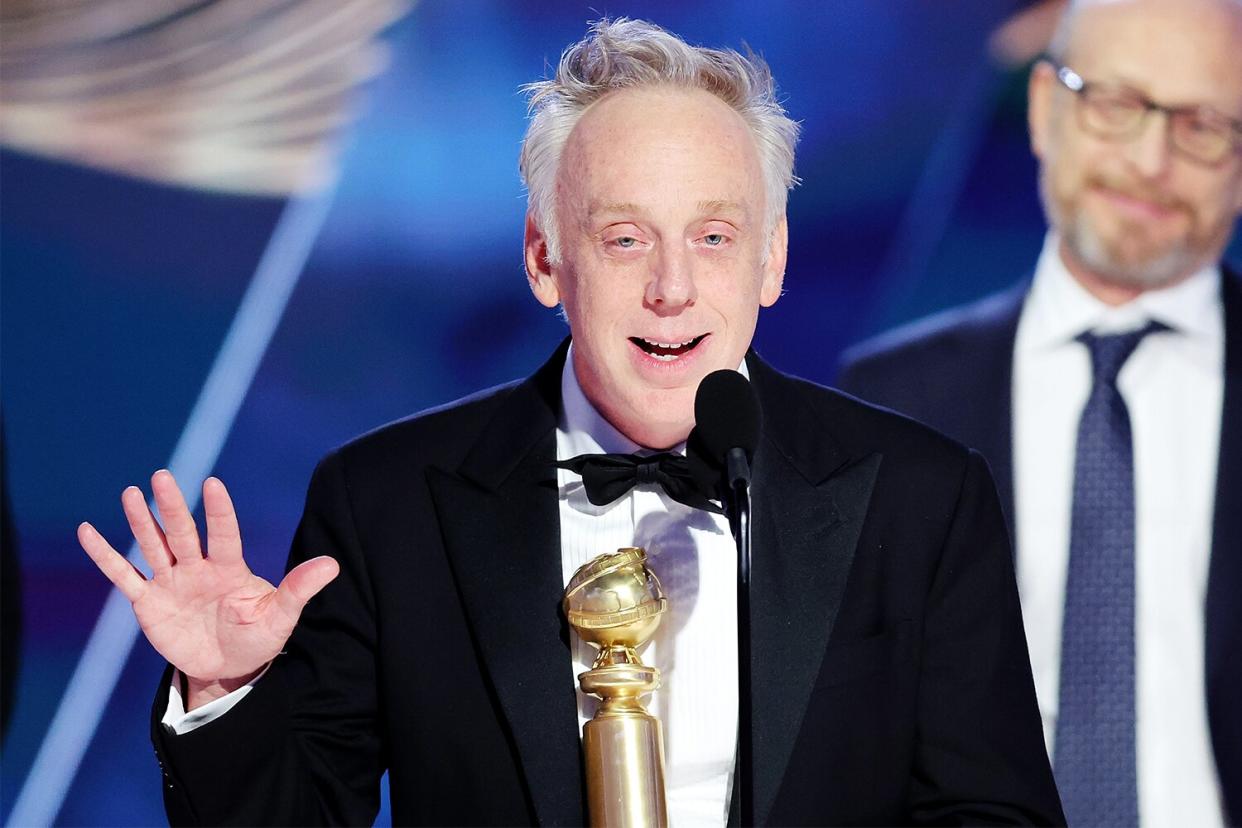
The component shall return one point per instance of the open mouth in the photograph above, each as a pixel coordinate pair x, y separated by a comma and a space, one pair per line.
667, 351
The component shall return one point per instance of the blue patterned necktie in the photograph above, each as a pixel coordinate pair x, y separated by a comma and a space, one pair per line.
1095, 761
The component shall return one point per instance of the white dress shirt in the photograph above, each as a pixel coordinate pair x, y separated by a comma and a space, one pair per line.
695, 647
1173, 385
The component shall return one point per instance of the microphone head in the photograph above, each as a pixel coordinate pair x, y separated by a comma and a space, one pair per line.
726, 416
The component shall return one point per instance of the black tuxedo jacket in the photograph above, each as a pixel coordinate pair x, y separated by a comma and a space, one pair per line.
955, 373
891, 677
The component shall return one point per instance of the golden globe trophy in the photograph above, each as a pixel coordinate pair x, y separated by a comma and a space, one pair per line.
615, 602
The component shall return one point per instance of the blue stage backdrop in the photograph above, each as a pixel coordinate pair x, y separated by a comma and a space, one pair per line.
407, 291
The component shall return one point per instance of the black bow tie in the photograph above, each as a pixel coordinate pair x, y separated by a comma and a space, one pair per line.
607, 477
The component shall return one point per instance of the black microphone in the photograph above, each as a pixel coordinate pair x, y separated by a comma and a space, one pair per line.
726, 431
721, 448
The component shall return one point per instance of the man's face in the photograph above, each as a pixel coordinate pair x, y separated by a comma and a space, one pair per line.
665, 260
1134, 212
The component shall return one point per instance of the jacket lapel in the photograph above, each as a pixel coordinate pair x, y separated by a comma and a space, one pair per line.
1224, 611
499, 516
809, 502
992, 432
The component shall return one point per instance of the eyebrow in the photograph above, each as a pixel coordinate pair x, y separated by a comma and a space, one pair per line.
1129, 83
720, 206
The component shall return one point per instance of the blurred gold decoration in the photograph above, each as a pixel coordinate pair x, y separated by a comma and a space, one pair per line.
244, 96
1026, 34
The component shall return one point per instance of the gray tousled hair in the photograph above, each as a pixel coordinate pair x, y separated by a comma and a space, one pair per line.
623, 53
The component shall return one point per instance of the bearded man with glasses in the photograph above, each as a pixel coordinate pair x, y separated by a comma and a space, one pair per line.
1106, 392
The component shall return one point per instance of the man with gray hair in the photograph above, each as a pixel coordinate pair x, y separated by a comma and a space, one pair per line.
418, 630
1107, 396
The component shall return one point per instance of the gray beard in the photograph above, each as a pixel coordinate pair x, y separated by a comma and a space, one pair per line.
1159, 272
1087, 248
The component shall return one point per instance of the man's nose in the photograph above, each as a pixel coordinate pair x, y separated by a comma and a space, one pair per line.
672, 284
1150, 152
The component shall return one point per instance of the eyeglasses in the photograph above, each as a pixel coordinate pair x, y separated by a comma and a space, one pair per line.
1117, 113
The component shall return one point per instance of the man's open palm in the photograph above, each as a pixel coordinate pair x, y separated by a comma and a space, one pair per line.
209, 616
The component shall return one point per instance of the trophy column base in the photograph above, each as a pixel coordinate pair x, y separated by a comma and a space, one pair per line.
625, 770
615, 603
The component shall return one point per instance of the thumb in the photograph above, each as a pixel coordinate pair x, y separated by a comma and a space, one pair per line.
303, 582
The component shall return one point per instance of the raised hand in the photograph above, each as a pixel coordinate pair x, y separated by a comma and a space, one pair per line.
210, 617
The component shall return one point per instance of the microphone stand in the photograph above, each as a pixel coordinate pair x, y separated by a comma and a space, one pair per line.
738, 476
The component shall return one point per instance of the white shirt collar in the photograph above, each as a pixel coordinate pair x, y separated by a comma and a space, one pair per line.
583, 430
1059, 308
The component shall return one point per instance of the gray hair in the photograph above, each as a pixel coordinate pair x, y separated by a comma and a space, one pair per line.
623, 53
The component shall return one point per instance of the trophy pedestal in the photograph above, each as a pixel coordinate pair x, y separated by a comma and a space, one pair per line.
614, 602
624, 748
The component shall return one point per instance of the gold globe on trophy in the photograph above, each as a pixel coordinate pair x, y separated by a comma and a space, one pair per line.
615, 602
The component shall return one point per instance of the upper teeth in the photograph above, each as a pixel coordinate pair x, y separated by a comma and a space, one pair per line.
669, 344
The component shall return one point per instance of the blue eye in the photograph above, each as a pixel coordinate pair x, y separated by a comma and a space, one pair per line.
714, 239
626, 242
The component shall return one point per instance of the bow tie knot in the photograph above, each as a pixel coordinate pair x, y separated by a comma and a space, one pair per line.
648, 472
607, 477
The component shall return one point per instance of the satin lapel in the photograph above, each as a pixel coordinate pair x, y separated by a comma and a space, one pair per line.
501, 527
1224, 612
809, 501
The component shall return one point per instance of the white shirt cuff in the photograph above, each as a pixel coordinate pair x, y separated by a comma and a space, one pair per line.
181, 722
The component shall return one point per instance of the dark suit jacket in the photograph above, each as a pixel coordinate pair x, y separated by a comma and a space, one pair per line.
891, 678
955, 373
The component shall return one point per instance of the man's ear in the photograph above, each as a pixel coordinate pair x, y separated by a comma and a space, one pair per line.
1039, 91
538, 269
774, 267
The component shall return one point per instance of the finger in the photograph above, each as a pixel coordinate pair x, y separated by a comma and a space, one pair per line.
112, 563
179, 528
146, 531
223, 535
303, 582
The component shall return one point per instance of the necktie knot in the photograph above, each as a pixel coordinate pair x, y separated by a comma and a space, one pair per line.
1109, 352
607, 477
